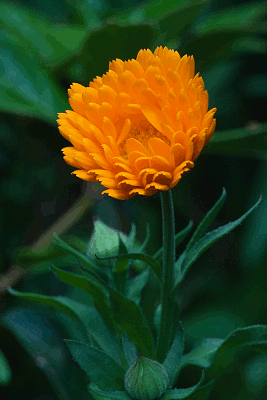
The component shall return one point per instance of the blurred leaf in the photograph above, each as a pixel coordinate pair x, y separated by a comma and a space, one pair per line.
216, 35
182, 393
5, 370
251, 140
99, 367
43, 343
111, 42
238, 17
172, 362
24, 79
27, 30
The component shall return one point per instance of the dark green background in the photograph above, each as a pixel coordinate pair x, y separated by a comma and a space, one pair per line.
47, 45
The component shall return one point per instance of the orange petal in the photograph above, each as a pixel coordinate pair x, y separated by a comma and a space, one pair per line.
124, 132
92, 113
147, 95
142, 162
153, 115
101, 161
159, 148
106, 110
90, 95
178, 153
160, 163
156, 186
118, 194
77, 88
106, 94
108, 128
117, 66
82, 174
107, 182
135, 68
91, 146
162, 177
134, 145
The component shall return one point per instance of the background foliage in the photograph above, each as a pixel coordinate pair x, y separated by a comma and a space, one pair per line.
45, 46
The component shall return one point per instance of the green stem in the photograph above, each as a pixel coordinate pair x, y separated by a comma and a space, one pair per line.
168, 263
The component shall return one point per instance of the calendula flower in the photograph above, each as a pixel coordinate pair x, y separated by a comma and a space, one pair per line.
140, 126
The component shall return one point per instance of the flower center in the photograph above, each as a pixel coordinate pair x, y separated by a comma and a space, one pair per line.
142, 131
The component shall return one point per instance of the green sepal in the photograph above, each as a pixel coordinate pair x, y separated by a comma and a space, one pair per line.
189, 257
116, 395
207, 220
207, 352
5, 370
174, 394
70, 250
129, 349
179, 237
98, 366
172, 362
138, 256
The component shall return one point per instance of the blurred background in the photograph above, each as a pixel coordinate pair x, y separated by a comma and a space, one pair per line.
47, 45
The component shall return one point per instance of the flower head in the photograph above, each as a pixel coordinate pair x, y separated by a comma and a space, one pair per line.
140, 126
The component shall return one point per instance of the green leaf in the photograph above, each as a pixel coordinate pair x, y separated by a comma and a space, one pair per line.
172, 362
94, 287
116, 395
179, 237
207, 220
98, 366
182, 393
207, 352
120, 270
145, 242
138, 256
127, 314
70, 250
203, 352
136, 285
252, 338
5, 370
129, 349
202, 392
87, 317
131, 318
206, 241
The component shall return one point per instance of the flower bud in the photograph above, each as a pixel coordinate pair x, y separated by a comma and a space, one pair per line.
146, 379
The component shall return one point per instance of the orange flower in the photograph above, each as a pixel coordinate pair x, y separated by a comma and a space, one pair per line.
139, 127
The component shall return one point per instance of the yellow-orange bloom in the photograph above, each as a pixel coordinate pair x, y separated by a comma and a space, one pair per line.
139, 127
